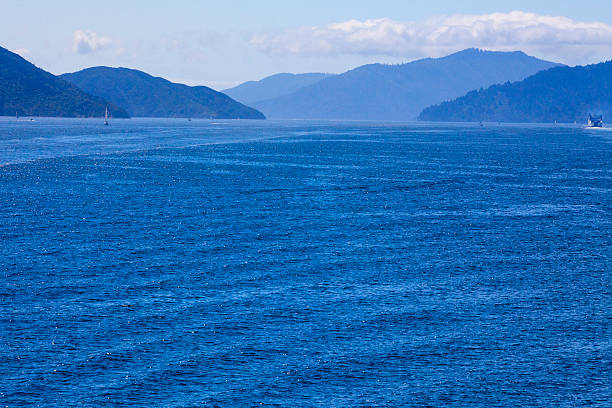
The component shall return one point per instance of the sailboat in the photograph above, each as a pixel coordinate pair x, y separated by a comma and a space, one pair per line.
106, 117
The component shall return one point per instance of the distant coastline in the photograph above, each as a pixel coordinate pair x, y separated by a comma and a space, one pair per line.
468, 86
26, 90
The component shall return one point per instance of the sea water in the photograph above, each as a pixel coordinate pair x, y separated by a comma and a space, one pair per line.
302, 264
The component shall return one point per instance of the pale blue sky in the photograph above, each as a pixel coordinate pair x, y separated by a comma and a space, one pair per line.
223, 43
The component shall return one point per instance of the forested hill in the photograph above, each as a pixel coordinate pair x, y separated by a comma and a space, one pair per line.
401, 92
144, 95
563, 94
26, 90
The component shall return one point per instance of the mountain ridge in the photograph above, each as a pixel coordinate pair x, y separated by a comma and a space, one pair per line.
27, 90
402, 91
273, 86
561, 94
144, 95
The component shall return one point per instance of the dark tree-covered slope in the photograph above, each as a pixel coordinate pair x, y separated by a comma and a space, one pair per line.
29, 91
143, 95
563, 94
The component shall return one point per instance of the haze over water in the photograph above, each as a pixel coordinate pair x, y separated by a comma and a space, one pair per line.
175, 263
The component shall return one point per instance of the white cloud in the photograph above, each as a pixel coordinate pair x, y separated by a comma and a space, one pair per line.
550, 36
85, 42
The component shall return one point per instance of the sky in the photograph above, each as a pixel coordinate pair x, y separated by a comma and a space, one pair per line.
223, 43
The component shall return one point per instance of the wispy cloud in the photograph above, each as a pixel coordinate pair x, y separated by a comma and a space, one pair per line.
85, 42
551, 36
23, 52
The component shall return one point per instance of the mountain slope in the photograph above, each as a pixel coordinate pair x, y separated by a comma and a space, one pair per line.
273, 87
400, 92
143, 95
561, 94
30, 91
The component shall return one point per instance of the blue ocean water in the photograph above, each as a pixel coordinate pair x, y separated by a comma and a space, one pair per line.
178, 264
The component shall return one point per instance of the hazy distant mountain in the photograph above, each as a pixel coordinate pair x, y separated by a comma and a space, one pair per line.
143, 95
560, 94
400, 92
273, 87
30, 91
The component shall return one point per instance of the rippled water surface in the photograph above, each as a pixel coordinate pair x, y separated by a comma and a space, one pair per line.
178, 264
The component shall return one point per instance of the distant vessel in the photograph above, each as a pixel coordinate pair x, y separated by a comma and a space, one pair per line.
595, 121
106, 117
